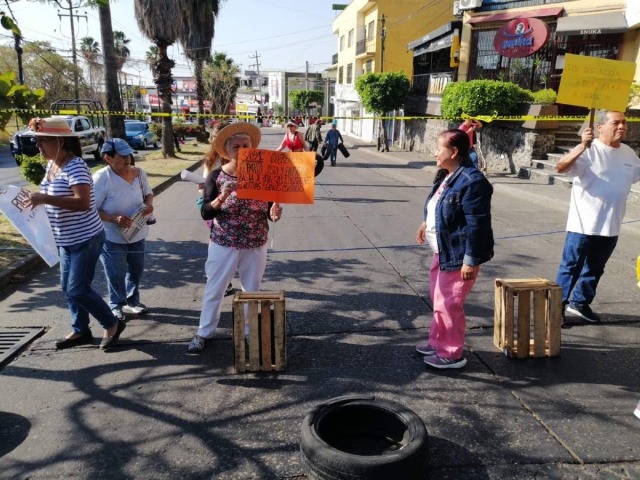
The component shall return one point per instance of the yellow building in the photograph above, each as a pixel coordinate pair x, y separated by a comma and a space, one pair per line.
607, 29
361, 37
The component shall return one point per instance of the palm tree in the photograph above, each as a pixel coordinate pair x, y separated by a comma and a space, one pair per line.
222, 82
197, 35
90, 49
115, 123
120, 42
152, 58
156, 22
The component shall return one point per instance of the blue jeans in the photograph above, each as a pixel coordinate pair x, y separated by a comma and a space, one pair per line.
333, 150
474, 156
583, 260
123, 267
77, 268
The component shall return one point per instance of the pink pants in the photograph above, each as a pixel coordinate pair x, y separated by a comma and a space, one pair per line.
448, 292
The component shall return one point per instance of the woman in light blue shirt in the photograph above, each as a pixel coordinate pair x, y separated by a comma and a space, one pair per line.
121, 191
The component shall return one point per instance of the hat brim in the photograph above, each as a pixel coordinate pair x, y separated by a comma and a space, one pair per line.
55, 134
244, 128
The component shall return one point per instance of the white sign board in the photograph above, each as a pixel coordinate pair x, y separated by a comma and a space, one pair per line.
632, 13
32, 224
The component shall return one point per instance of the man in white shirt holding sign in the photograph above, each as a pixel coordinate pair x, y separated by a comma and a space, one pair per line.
603, 171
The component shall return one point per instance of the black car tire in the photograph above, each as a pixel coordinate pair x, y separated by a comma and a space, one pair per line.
319, 165
96, 154
144, 144
354, 437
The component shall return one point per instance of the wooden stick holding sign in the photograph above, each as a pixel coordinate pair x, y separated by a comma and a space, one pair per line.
596, 83
283, 177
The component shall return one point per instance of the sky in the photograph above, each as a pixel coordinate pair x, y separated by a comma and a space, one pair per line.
285, 34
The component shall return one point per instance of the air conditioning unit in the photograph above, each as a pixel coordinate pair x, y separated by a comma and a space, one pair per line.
456, 9
469, 4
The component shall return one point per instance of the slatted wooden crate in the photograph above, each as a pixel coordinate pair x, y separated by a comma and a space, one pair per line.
522, 336
267, 332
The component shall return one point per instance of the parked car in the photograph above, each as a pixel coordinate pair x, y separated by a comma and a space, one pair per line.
139, 135
91, 138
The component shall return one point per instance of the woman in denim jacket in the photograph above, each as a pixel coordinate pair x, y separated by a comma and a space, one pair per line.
457, 227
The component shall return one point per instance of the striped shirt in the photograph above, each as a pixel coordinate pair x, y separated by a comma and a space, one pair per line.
71, 227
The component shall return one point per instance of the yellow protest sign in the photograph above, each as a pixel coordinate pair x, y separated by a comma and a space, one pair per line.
596, 83
283, 177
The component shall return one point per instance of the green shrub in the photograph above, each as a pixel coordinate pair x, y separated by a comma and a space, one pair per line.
526, 96
482, 97
32, 169
181, 130
545, 97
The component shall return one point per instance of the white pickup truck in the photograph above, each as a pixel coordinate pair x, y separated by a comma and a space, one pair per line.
91, 138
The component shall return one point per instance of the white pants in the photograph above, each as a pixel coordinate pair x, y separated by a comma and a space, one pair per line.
222, 264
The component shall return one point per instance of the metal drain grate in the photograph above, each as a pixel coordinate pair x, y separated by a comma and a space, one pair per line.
13, 339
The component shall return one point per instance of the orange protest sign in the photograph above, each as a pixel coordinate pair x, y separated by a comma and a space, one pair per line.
276, 176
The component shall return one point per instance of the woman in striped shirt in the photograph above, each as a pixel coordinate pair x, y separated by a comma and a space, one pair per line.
67, 193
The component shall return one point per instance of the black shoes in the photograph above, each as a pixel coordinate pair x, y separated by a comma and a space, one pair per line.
584, 312
85, 339
109, 342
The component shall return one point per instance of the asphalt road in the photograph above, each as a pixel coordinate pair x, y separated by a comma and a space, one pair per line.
357, 304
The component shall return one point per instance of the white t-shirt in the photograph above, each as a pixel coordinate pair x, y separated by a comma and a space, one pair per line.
602, 178
430, 231
116, 196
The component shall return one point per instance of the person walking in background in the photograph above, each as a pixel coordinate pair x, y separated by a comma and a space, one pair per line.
313, 135
603, 171
293, 139
239, 233
470, 126
331, 138
121, 190
457, 227
67, 192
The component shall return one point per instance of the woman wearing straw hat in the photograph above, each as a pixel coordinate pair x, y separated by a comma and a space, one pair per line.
293, 140
239, 232
67, 193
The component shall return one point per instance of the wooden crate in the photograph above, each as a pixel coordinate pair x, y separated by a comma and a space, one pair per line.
524, 336
267, 332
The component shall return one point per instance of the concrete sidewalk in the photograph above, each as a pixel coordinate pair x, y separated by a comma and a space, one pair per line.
357, 303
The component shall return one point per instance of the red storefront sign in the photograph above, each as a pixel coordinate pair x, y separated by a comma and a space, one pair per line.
521, 37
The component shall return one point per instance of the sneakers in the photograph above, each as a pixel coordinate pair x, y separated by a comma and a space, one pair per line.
137, 309
118, 313
440, 363
584, 312
196, 345
426, 349
637, 412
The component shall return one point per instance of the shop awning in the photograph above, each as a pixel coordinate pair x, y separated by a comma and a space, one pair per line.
444, 42
595, 24
435, 34
501, 17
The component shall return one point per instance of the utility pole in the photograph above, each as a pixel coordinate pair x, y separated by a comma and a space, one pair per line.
256, 57
383, 36
306, 75
74, 54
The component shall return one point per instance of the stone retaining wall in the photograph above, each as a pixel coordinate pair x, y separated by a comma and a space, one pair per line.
505, 146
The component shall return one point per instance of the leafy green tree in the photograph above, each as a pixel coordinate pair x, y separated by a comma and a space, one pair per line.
197, 35
381, 93
157, 21
221, 81
301, 99
17, 96
43, 69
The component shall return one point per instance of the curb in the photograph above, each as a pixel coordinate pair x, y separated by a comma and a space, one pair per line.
17, 271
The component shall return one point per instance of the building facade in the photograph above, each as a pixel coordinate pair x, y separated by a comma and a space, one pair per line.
606, 29
364, 46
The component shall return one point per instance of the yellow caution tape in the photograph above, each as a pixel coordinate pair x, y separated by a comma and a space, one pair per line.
282, 119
